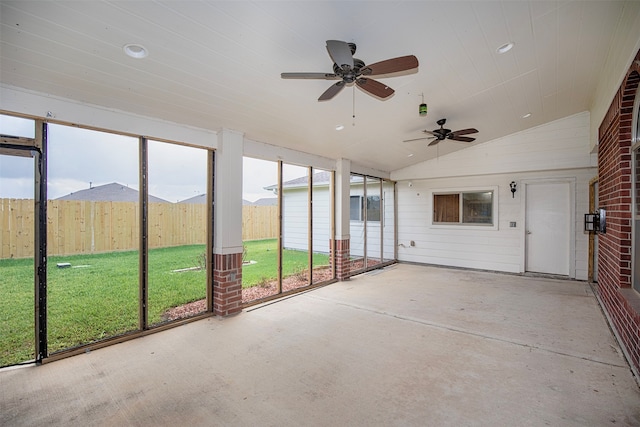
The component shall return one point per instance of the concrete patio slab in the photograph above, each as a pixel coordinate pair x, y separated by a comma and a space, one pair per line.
408, 345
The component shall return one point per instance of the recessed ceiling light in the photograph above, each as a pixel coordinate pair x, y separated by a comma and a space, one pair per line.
135, 50
505, 48
339, 127
526, 116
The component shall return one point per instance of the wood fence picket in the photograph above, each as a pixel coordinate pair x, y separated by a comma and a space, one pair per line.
84, 227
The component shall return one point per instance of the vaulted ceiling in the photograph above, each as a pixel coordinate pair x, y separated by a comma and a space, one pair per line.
217, 65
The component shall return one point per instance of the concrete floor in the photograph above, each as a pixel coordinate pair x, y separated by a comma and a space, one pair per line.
411, 345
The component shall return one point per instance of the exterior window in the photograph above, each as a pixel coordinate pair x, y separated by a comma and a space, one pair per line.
373, 208
356, 208
446, 208
470, 208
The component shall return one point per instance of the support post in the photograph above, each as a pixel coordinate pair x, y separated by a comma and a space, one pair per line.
227, 207
342, 212
40, 259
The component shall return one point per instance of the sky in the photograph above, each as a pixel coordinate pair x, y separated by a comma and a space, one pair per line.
80, 158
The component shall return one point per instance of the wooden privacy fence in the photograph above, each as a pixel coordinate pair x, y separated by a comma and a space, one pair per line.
259, 222
82, 227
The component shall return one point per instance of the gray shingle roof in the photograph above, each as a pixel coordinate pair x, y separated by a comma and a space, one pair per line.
113, 192
266, 201
201, 199
319, 178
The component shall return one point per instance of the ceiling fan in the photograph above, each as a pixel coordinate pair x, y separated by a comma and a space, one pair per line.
441, 134
349, 70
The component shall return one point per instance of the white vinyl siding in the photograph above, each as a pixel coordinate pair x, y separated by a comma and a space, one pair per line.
295, 233
295, 219
557, 152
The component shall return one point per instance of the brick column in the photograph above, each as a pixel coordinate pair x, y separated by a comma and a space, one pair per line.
343, 266
227, 284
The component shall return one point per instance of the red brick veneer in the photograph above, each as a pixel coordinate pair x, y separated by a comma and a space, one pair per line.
615, 195
227, 284
343, 266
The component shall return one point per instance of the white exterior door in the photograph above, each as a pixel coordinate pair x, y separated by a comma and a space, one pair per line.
548, 228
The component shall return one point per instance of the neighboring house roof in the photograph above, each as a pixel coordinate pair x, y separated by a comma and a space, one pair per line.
202, 199
113, 192
319, 178
199, 199
266, 201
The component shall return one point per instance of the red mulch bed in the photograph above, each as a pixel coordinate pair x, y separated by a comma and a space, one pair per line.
263, 290
251, 294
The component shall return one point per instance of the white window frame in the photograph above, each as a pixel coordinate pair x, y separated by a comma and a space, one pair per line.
466, 226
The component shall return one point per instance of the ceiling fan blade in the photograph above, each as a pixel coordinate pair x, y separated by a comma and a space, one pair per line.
394, 65
434, 142
323, 76
375, 88
418, 139
464, 132
340, 53
332, 91
461, 138
431, 133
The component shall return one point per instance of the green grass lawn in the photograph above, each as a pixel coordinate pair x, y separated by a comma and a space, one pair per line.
99, 297
265, 253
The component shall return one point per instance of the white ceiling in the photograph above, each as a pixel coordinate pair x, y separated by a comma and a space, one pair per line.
217, 65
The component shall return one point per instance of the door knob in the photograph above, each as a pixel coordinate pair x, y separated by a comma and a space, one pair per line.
528, 232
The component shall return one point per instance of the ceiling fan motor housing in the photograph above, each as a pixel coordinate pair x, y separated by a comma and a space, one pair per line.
349, 75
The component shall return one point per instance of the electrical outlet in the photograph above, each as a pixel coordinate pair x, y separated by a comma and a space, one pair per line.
512, 224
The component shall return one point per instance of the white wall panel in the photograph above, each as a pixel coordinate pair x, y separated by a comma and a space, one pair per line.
486, 248
562, 144
295, 219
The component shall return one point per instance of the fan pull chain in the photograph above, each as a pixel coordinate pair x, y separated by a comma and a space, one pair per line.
354, 106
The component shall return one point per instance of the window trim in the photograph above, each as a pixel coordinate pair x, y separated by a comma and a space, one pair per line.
494, 189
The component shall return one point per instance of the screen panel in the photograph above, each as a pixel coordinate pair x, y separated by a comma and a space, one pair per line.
259, 229
93, 236
177, 227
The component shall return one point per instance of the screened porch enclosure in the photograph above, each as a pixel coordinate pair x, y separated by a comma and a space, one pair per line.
92, 257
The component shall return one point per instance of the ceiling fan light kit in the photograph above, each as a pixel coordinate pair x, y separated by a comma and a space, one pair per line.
349, 70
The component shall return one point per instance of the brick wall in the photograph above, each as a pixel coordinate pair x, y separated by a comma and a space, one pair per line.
615, 182
343, 266
227, 284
